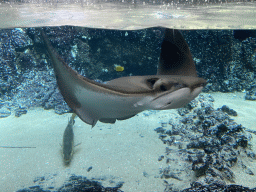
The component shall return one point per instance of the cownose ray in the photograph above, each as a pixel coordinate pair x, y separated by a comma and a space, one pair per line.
175, 84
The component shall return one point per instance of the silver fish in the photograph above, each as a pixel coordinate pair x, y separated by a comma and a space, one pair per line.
68, 141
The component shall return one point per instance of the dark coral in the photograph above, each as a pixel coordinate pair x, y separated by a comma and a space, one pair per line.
217, 187
209, 140
74, 184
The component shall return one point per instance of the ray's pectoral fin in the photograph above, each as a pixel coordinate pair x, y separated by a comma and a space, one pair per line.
70, 84
175, 57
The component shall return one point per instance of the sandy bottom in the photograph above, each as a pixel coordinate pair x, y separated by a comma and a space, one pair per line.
127, 151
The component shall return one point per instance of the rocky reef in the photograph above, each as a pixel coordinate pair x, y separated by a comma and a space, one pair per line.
203, 145
226, 59
251, 92
218, 188
74, 184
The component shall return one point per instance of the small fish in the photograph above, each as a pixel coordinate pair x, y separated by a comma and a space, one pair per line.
68, 141
119, 68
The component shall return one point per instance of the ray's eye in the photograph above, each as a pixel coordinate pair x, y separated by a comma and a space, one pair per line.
163, 88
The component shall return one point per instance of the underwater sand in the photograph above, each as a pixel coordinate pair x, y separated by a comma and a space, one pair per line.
127, 151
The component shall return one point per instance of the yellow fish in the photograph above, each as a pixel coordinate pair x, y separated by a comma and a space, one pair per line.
119, 68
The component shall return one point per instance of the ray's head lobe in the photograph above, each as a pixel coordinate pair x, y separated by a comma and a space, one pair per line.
151, 82
162, 84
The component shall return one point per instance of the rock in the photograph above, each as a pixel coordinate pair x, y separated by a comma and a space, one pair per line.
168, 173
187, 119
216, 187
246, 169
228, 174
160, 130
89, 169
20, 111
251, 92
183, 111
229, 111
4, 112
164, 124
195, 155
201, 165
74, 184
160, 158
